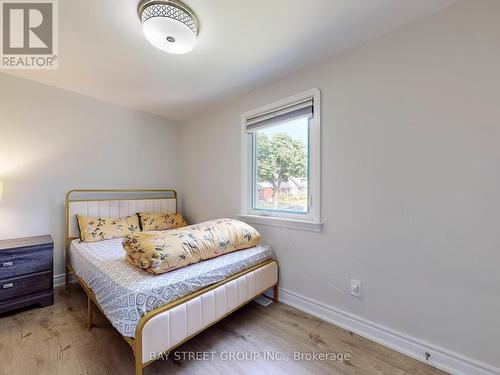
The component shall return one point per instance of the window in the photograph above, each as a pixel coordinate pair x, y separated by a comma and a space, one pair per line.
281, 157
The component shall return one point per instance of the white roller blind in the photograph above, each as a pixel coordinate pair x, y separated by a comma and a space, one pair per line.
287, 113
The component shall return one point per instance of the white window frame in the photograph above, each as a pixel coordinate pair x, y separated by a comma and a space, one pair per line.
311, 220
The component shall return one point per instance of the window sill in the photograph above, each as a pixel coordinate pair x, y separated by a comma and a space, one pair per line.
282, 222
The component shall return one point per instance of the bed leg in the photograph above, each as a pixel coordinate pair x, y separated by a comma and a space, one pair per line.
138, 366
276, 293
90, 312
66, 278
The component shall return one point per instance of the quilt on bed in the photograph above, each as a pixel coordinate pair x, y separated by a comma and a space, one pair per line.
126, 293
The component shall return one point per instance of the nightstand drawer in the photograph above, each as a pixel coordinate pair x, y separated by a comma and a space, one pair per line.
13, 266
20, 286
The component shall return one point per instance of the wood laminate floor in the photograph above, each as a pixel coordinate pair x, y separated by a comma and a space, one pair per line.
54, 340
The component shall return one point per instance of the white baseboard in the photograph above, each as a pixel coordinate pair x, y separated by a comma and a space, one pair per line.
441, 358
60, 280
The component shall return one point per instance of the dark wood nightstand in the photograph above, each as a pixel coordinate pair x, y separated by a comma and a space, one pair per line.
26, 272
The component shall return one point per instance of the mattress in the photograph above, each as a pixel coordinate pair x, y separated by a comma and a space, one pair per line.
126, 293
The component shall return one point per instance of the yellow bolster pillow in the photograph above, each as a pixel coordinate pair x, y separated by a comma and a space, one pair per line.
160, 252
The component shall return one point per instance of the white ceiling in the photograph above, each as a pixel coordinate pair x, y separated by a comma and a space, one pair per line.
242, 45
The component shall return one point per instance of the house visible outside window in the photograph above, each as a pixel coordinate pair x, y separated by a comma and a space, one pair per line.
281, 161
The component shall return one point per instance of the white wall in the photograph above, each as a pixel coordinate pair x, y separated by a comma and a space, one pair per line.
410, 180
53, 140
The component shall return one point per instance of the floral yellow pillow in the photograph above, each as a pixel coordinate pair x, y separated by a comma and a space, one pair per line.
151, 222
94, 229
165, 251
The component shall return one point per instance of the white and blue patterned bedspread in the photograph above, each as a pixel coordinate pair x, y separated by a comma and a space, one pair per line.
126, 292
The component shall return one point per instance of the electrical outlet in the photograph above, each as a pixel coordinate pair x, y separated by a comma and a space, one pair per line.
356, 289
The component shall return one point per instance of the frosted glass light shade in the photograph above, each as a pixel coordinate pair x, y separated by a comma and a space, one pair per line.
169, 25
169, 35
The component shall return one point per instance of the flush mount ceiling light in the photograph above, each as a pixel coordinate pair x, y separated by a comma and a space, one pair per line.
169, 25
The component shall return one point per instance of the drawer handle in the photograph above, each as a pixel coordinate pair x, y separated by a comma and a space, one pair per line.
7, 264
7, 286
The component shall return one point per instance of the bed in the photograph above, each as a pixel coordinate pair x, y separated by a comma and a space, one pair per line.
156, 313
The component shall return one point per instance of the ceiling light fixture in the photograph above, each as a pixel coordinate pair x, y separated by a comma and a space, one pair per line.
169, 25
